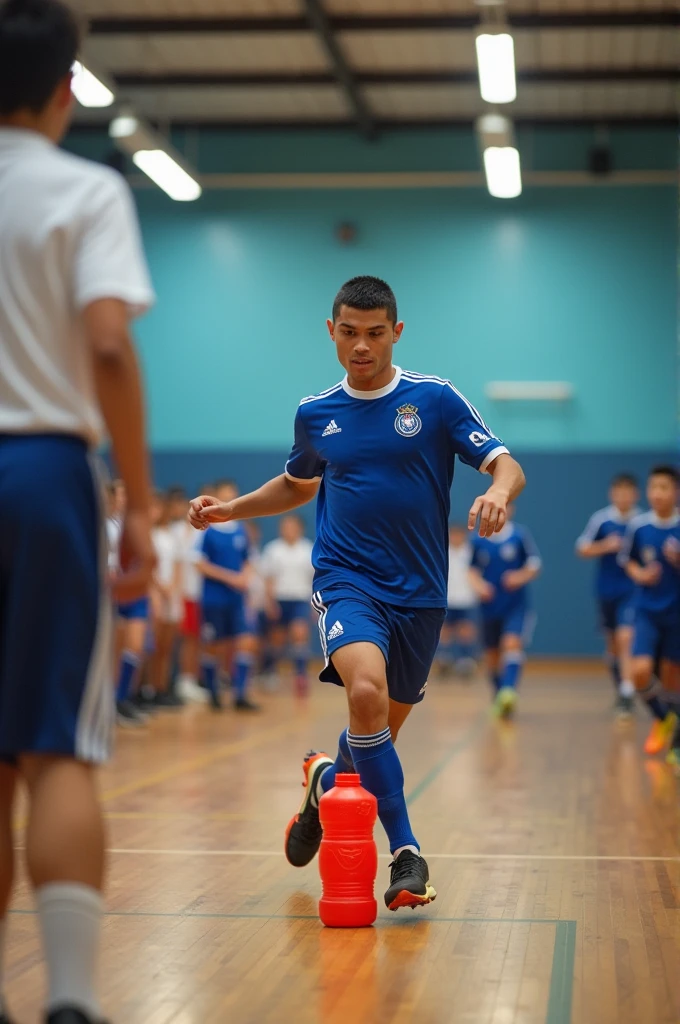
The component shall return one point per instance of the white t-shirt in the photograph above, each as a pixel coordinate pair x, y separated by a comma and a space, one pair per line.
257, 591
290, 566
114, 530
167, 556
188, 543
460, 592
68, 236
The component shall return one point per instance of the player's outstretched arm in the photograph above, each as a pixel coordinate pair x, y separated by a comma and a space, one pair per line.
491, 508
276, 496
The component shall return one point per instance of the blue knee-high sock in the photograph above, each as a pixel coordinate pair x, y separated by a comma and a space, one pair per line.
343, 763
496, 680
209, 673
379, 768
512, 669
243, 662
129, 663
615, 670
300, 659
658, 707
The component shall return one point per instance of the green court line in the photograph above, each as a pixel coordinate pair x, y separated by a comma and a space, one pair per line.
453, 751
562, 974
560, 994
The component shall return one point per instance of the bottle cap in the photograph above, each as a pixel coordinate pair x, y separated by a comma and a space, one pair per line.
347, 779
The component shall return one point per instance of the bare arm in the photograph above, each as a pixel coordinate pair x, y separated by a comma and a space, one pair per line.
278, 495
235, 580
481, 587
595, 549
119, 391
491, 508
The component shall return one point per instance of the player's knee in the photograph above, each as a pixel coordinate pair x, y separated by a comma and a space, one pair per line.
641, 671
368, 704
511, 642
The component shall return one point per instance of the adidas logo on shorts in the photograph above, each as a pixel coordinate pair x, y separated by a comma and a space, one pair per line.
335, 631
332, 428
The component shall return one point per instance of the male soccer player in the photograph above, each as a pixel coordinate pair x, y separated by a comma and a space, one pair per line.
602, 539
225, 630
379, 449
289, 574
651, 557
459, 633
72, 273
501, 570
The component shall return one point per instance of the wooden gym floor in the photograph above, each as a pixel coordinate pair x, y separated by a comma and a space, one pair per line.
554, 847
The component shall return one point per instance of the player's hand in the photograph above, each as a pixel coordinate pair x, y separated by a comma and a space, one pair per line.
137, 558
671, 552
205, 510
649, 575
612, 544
486, 591
273, 611
491, 510
513, 579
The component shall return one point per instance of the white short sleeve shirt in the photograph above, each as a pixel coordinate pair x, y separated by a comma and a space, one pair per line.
68, 235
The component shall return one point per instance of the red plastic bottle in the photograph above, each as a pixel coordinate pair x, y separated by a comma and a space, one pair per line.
348, 858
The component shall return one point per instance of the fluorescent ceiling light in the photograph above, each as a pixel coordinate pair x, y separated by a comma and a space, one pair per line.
167, 174
123, 126
88, 90
496, 63
503, 175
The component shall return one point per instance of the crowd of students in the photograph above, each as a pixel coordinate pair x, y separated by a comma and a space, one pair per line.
220, 610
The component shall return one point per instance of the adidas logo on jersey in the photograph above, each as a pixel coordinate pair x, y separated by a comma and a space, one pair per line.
332, 428
335, 631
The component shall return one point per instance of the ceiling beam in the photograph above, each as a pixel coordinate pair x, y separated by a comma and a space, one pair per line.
320, 23
141, 79
643, 18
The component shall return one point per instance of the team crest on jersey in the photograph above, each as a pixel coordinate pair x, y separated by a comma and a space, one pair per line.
407, 423
648, 554
508, 552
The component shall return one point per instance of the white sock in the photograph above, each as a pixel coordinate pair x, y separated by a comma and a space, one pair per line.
413, 849
70, 918
627, 689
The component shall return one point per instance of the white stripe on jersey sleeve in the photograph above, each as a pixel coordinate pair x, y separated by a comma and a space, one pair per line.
322, 394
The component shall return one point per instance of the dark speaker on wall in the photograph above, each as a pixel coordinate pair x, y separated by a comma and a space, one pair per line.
600, 160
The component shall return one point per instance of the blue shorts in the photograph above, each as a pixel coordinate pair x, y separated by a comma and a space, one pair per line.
520, 621
293, 611
257, 622
138, 609
454, 616
657, 635
56, 619
616, 613
224, 622
407, 637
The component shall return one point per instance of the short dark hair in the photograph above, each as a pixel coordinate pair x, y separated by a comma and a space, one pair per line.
39, 41
625, 479
668, 470
175, 492
366, 293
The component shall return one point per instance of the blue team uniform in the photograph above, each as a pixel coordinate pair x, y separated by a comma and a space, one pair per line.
613, 585
657, 608
385, 460
509, 611
223, 608
55, 611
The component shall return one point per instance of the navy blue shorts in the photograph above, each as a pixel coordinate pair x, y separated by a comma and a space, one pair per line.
454, 616
293, 611
657, 635
519, 621
224, 622
56, 619
407, 637
616, 613
138, 609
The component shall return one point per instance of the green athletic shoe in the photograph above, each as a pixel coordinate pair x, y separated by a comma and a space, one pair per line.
506, 702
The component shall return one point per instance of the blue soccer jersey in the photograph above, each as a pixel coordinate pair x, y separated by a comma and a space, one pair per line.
612, 581
224, 545
513, 548
385, 460
645, 542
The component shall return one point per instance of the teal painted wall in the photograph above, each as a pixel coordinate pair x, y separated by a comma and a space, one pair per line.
575, 284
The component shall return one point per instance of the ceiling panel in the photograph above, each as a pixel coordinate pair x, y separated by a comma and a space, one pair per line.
322, 103
466, 7
425, 101
189, 8
289, 51
409, 51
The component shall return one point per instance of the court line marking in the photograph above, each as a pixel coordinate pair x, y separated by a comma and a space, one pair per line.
383, 916
561, 991
388, 856
457, 747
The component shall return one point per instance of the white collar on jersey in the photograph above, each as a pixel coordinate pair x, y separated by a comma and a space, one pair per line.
667, 523
369, 396
616, 516
504, 535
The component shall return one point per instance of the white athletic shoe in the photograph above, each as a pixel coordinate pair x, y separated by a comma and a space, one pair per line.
190, 692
